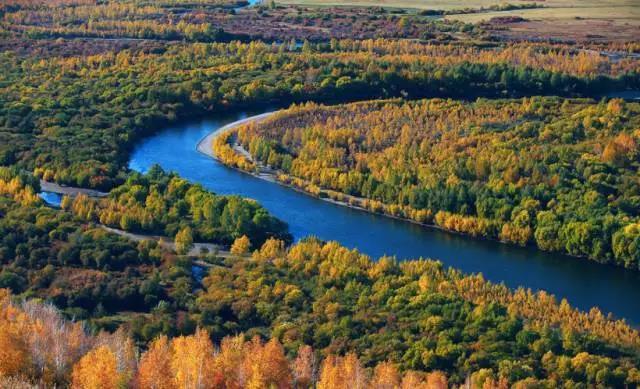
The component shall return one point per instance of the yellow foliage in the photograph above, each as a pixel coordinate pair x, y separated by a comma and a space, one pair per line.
271, 249
192, 361
241, 245
96, 370
154, 370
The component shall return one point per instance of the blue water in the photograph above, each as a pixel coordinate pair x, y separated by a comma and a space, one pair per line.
584, 284
251, 4
632, 95
53, 199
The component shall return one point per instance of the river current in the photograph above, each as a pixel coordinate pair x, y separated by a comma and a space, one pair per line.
584, 284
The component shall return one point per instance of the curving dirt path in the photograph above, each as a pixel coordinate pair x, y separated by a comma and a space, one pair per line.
46, 186
168, 243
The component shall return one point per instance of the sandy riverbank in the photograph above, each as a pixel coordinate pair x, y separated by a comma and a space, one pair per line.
205, 146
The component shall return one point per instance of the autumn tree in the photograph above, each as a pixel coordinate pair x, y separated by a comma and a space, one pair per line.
385, 376
271, 249
228, 363
154, 369
192, 361
184, 241
265, 365
124, 350
413, 380
436, 380
14, 356
304, 367
96, 370
241, 245
342, 373
621, 150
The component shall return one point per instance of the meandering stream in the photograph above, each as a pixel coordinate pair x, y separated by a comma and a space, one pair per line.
584, 284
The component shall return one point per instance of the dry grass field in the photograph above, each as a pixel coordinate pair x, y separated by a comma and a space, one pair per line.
413, 4
559, 19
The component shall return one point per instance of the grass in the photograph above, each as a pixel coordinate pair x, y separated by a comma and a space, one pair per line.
623, 10
411, 4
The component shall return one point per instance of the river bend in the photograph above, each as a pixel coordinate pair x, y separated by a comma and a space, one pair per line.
584, 284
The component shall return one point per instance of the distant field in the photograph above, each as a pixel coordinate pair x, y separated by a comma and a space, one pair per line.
620, 12
554, 9
589, 6
568, 19
416, 4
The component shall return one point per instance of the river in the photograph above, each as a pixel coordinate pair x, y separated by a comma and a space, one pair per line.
584, 284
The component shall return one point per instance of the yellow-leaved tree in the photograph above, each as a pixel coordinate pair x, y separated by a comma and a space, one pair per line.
154, 369
184, 240
342, 373
13, 345
271, 249
192, 361
241, 245
385, 375
96, 370
266, 366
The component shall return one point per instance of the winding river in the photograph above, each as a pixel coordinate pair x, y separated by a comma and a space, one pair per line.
584, 284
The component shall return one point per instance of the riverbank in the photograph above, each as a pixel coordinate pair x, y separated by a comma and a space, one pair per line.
205, 145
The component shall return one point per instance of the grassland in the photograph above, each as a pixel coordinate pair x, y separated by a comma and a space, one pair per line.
558, 19
590, 8
409, 4
622, 12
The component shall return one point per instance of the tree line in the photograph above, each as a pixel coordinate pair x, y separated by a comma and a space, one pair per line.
106, 102
318, 314
40, 347
213, 21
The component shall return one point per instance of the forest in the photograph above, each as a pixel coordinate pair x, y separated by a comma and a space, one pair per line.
162, 283
158, 203
86, 271
320, 305
557, 173
73, 119
38, 340
417, 314
313, 304
68, 258
205, 21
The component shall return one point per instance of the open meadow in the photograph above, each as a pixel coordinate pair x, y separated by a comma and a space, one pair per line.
551, 19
